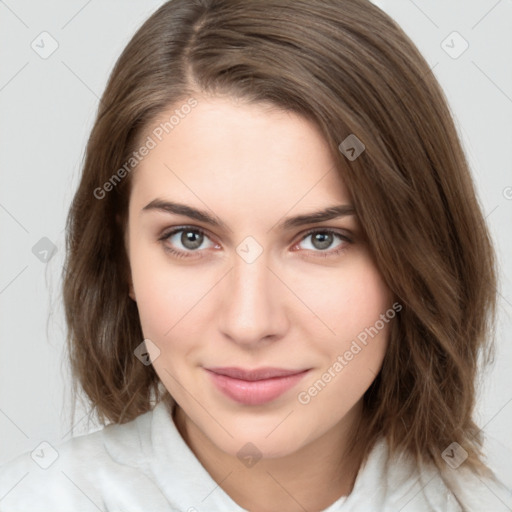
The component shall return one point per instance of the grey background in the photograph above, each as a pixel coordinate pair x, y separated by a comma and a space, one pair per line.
47, 110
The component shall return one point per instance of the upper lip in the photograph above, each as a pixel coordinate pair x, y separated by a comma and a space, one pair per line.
257, 374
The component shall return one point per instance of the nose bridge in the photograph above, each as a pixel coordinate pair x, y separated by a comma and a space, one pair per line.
250, 306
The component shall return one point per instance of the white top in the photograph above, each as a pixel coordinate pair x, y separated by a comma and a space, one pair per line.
145, 465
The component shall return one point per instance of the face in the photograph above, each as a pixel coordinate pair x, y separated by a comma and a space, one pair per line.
244, 287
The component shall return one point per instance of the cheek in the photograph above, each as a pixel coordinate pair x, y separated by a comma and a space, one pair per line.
363, 328
157, 290
353, 354
167, 294
368, 298
346, 302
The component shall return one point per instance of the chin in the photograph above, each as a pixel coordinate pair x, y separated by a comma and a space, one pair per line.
267, 441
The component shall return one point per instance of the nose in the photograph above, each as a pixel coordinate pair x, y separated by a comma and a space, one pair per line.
253, 304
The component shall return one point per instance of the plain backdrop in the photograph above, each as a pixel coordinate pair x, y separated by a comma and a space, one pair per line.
48, 104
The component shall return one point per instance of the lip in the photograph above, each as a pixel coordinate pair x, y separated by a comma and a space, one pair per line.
254, 387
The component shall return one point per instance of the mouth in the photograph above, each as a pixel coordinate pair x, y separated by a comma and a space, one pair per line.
254, 387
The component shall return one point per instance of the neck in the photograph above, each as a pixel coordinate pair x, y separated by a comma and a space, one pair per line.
312, 478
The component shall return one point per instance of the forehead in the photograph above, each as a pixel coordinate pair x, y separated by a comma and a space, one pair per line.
247, 156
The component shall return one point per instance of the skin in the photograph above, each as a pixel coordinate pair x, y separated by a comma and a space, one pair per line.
252, 165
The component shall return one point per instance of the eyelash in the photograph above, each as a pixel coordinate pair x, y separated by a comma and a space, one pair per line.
323, 254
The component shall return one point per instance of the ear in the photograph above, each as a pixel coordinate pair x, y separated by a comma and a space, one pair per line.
131, 292
127, 267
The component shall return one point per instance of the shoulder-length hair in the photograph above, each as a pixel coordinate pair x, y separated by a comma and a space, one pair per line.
349, 68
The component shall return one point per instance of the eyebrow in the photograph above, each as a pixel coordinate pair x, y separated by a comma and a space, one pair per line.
332, 212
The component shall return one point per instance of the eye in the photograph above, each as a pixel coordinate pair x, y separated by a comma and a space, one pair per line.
322, 239
186, 239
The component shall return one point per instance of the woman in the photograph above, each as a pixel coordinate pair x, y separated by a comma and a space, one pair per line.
278, 278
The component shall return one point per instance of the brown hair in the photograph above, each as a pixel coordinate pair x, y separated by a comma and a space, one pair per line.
350, 69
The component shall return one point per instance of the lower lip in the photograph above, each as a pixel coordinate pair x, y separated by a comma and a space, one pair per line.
255, 392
